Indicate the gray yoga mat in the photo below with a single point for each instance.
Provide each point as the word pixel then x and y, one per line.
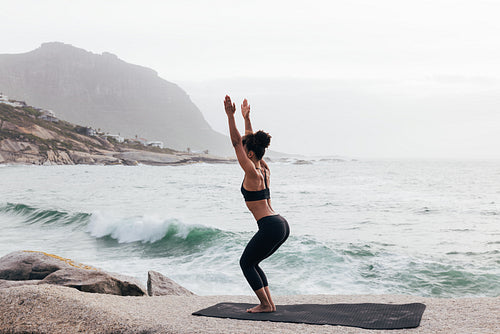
pixel 368 315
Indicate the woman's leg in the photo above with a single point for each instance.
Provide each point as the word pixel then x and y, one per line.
pixel 268 294
pixel 265 305
pixel 254 275
pixel 263 244
pixel 263 276
pixel 249 261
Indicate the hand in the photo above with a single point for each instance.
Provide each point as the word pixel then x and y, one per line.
pixel 230 107
pixel 245 109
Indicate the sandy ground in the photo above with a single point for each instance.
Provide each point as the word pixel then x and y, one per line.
pixel 55 309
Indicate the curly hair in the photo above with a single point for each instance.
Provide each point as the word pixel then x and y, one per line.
pixel 257 143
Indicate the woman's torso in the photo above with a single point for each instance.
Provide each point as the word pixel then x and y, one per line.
pixel 256 191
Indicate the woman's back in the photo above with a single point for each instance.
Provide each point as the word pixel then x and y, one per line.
pixel 255 190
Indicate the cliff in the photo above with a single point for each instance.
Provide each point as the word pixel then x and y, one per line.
pixel 103 91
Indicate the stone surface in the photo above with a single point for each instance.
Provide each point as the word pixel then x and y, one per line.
pixel 96 281
pixel 160 285
pixel 4 284
pixel 27 265
pixel 59 310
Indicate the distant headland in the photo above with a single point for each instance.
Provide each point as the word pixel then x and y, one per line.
pixel 103 91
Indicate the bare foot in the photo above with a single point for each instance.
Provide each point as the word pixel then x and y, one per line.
pixel 261 309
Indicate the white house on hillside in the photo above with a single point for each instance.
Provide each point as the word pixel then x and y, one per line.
pixel 155 144
pixel 118 138
pixel 48 115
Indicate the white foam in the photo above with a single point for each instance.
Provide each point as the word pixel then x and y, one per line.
pixel 132 229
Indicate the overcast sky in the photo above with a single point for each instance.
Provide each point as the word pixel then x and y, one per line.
pixel 385 78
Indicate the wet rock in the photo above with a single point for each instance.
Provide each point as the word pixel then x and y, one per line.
pixel 160 285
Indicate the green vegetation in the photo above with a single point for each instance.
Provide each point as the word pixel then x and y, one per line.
pixel 8 113
pixel 32 111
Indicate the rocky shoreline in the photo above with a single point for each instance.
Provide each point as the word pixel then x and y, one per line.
pixel 27 139
pixel 66 308
pixel 26 267
pixel 126 158
pixel 19 153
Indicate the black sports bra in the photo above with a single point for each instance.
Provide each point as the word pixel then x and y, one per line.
pixel 251 196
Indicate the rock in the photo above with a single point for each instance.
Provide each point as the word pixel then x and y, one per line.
pixel 160 285
pixel 24 267
pixel 302 162
pixel 130 162
pixel 29 265
pixel 81 157
pixel 106 160
pixel 95 281
pixel 59 157
pixel 4 284
pixel 149 158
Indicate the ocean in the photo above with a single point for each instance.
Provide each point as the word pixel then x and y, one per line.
pixel 426 228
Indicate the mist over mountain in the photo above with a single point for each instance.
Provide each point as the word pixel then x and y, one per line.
pixel 103 91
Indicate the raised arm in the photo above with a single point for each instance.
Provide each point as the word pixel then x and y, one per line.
pixel 243 160
pixel 245 111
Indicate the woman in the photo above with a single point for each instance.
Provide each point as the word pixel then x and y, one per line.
pixel 273 229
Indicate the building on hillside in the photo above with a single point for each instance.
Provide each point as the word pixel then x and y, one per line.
pixel 118 138
pixel 49 116
pixel 90 132
pixel 86 130
pixel 5 100
pixel 156 143
pixel 142 141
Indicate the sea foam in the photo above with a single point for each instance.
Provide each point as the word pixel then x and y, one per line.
pixel 147 228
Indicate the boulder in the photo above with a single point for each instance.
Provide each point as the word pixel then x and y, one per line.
pixel 160 285
pixel 81 157
pixel 96 281
pixel 4 284
pixel 29 265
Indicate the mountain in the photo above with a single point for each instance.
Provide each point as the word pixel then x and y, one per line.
pixel 107 93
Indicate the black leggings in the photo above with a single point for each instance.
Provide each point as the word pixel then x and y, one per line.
pixel 273 231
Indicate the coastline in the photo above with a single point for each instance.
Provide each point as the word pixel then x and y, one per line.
pixel 30 137
pixel 56 309
pixel 127 157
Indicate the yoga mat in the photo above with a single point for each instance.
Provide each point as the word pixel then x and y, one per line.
pixel 368 315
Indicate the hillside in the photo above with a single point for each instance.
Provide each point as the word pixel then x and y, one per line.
pixel 103 91
pixel 26 138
